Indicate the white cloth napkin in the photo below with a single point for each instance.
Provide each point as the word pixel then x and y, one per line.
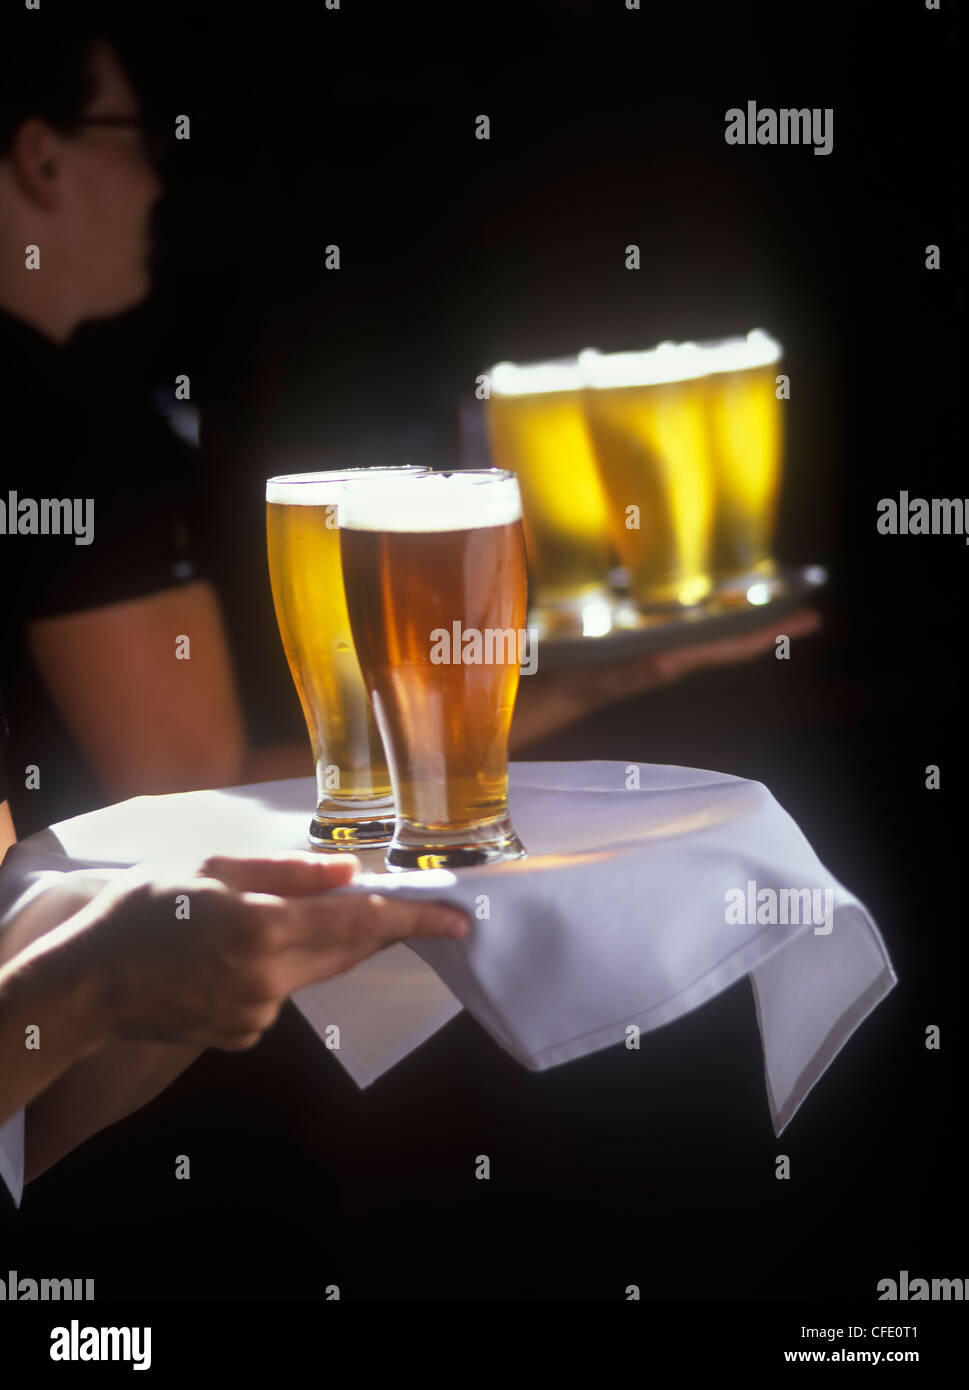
pixel 620 919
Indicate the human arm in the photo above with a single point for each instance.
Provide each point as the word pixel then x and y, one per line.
pixel 550 701
pixel 8 835
pixel 133 993
pixel 46 1024
pixel 148 719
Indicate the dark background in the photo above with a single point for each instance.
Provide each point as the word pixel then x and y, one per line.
pixel 357 127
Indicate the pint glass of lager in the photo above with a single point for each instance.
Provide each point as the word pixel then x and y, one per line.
pixel 434 567
pixel 355 806
pixel 648 418
pixel 539 432
pixel 746 443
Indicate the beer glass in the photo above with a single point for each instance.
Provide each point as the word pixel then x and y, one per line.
pixel 539 432
pixel 647 416
pixel 434 567
pixel 354 802
pixel 746 441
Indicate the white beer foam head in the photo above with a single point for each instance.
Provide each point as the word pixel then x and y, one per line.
pixel 758 349
pixel 432 502
pixel 671 362
pixel 323 489
pixel 658 367
pixel 535 378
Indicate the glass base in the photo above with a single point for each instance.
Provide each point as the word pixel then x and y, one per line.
pixel 346 835
pixel 666 600
pixel 414 848
pixel 750 590
pixel 664 612
pixel 634 617
pixel 585 615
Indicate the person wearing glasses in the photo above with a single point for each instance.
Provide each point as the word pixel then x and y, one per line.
pixel 122 994
pixel 100 705
pixel 102 708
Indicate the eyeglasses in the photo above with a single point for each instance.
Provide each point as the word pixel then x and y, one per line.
pixel 154 146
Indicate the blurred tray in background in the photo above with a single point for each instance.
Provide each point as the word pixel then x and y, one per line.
pixel 793 585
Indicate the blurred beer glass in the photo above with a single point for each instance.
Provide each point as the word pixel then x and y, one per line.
pixel 746 441
pixel 354 802
pixel 539 432
pixel 647 414
pixel 436 589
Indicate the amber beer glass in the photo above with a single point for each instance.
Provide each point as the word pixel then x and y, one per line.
pixel 746 441
pixel 648 418
pixel 434 567
pixel 539 432
pixel 354 800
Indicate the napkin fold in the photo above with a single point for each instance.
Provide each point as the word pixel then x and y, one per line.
pixel 648 889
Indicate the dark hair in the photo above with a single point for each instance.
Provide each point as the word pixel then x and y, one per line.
pixel 45 68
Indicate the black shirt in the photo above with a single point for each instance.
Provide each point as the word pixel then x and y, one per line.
pixel 122 484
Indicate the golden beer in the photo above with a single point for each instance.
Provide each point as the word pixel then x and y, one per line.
pixel 539 431
pixel 746 440
pixel 354 800
pixel 648 417
pixel 434 568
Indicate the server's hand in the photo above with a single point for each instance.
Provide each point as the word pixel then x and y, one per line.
pixel 209 960
pixel 550 702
